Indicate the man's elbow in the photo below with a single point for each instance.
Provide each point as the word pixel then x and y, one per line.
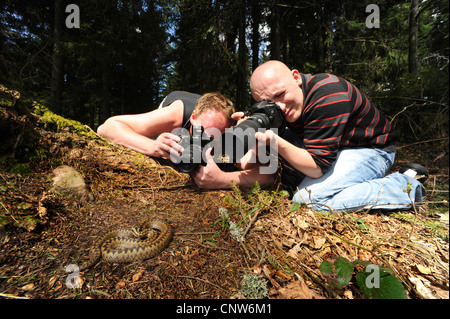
pixel 316 173
pixel 103 129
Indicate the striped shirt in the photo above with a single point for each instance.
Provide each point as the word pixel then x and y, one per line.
pixel 337 115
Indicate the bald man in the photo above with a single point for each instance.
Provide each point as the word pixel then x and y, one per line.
pixel 338 146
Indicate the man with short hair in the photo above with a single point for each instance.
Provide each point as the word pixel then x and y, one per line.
pixel 151 133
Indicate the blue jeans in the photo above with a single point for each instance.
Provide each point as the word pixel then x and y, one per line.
pixel 357 181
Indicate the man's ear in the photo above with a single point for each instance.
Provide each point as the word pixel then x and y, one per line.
pixel 192 117
pixel 297 77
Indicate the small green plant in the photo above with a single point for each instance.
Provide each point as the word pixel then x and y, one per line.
pixel 435 226
pixel 209 239
pixel 374 281
pixel 224 219
pixel 360 222
pixel 236 231
pixel 254 287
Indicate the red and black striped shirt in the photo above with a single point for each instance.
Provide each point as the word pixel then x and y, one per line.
pixel 337 115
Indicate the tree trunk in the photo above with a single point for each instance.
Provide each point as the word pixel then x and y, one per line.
pixel 275 50
pixel 256 19
pixel 323 47
pixel 413 36
pixel 57 62
pixel 242 61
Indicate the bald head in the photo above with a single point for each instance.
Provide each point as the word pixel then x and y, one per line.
pixel 274 81
pixel 268 70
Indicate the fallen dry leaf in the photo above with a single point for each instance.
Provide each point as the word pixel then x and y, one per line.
pixel 120 284
pixel 424 291
pixel 297 290
pixel 300 223
pixel 424 270
pixel 137 276
pixel 28 287
pixel 319 241
pixel 52 281
pixel 348 294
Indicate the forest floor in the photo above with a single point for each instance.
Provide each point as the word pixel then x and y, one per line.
pixel 281 242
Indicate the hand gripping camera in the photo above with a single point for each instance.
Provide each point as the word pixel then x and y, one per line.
pixel 237 141
pixel 195 147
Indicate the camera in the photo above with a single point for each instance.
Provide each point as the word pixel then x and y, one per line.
pixel 238 140
pixel 233 144
pixel 195 147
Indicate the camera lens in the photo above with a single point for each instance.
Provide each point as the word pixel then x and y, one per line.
pixel 186 167
pixel 237 141
pixel 190 158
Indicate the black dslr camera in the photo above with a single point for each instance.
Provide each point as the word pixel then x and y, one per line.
pixel 262 115
pixel 194 148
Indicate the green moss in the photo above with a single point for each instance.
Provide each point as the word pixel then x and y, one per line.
pixel 56 123
pixel 21 169
pixel 6 103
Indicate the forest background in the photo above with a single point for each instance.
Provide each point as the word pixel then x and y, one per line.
pixel 127 55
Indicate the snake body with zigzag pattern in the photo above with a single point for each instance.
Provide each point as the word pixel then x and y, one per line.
pixel 128 245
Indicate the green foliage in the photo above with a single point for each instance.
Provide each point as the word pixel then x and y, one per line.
pixel 389 286
pixel 22 169
pixel 338 271
pixel 374 281
pixel 436 227
pixel 56 123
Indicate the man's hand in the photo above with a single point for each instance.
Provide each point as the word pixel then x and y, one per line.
pixel 209 176
pixel 268 137
pixel 166 144
pixel 238 117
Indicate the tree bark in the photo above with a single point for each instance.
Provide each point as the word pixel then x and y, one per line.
pixel 256 19
pixel 413 36
pixel 275 49
pixel 105 111
pixel 56 82
pixel 242 60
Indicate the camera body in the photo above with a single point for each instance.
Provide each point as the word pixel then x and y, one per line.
pixel 266 113
pixel 237 141
pixel 194 146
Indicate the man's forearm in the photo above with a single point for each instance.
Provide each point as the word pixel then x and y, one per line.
pixel 247 178
pixel 120 133
pixel 299 158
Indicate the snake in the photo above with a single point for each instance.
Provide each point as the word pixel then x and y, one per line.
pixel 123 245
